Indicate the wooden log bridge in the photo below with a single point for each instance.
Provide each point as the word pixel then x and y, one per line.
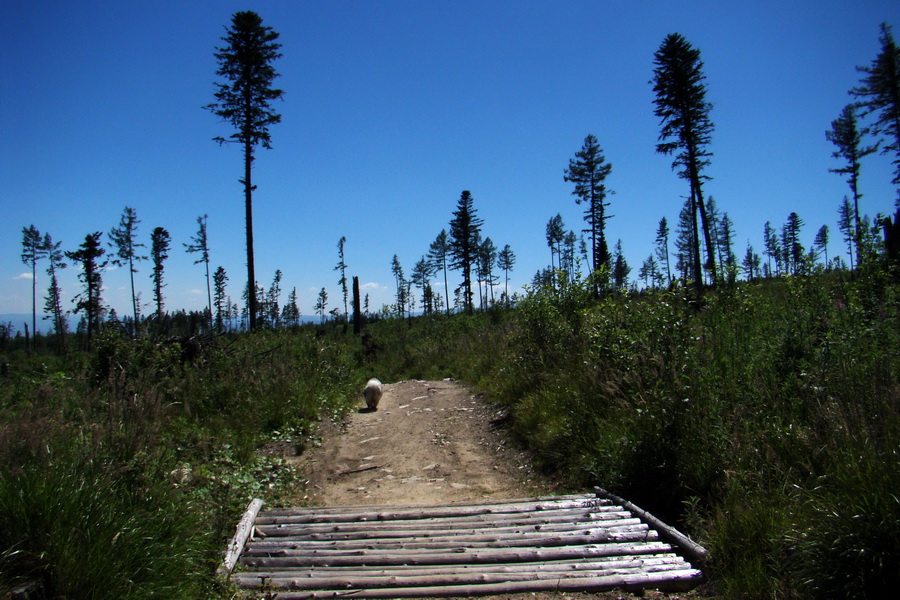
pixel 587 542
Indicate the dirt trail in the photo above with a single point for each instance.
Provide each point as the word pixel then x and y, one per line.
pixel 429 442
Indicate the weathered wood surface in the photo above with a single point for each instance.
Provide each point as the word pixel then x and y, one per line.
pixel 570 543
pixel 241 534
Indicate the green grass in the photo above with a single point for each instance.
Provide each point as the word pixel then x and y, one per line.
pixel 763 419
pixel 123 472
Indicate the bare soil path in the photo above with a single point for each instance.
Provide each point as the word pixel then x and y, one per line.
pixel 429 442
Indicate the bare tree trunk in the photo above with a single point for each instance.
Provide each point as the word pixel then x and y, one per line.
pixel 248 202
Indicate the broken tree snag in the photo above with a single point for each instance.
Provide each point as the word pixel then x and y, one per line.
pixel 692 549
pixel 241 534
pixel 357 315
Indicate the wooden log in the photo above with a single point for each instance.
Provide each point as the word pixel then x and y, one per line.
pixel 695 552
pixel 560 566
pixel 438 534
pixel 633 533
pixel 244 528
pixel 298 534
pixel 671 581
pixel 304 533
pixel 588 499
pixel 636 530
pixel 481 516
pixel 390 513
pixel 482 556
pixel 287 582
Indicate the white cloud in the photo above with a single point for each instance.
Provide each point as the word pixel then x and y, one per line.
pixel 370 286
pixel 195 292
pixel 23 276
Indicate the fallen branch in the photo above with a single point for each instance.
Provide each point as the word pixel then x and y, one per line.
pixel 240 539
pixel 360 470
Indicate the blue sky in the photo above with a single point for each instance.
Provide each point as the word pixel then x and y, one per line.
pixel 391 109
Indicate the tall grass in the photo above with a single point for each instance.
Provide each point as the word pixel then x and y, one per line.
pixel 86 534
pixel 764 418
pixel 123 472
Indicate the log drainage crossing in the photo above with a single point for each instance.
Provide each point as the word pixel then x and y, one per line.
pixel 565 543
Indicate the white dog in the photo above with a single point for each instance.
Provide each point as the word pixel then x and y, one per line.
pixel 372 393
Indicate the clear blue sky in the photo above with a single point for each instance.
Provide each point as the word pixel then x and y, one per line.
pixel 391 109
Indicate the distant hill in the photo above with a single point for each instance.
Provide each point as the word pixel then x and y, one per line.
pixel 19 320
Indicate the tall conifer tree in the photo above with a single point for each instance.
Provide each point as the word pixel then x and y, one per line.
pixel 220 278
pixel 662 247
pixel 879 92
pixel 124 240
pixel 465 229
pixel 506 260
pixel 159 252
pixel 90 256
pixel 53 299
pixel 588 171
pixel 33 250
pixel 847 138
pixel 686 129
pixel 437 254
pixel 342 268
pixel 245 99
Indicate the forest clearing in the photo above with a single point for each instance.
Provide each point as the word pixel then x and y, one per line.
pixel 762 422
pixel 752 404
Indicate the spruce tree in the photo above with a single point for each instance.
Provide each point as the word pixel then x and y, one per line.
pixel 90 256
pixel 685 243
pixel 290 315
pixel 400 282
pixel 879 93
pixel 847 137
pixel 200 244
pixel 847 225
pixel 620 268
pixel 465 230
pixel 33 250
pixel 342 268
pixel 124 240
pixel 772 246
pixel 506 260
pixel 420 276
pixel 321 304
pixel 53 299
pixel 220 279
pixel 159 252
pixel 487 260
pixel 437 254
pixel 556 232
pixel 686 130
pixel 820 243
pixel 725 236
pixel 244 99
pixel 792 249
pixel 662 247
pixel 588 171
